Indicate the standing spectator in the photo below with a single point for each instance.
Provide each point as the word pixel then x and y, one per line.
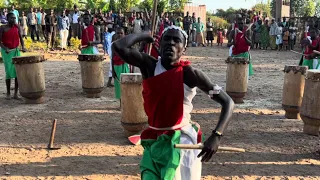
pixel 51 28
pixel 99 23
pixel 32 24
pixel 43 23
pixel 265 38
pixel 75 24
pixel 63 26
pixel 179 23
pixel 293 35
pixel 70 28
pixel 166 20
pixel 279 33
pixel 273 34
pixel 219 36
pixel 5 12
pixel 39 26
pixel 109 20
pixel 210 37
pixel 107 40
pixel 257 35
pixel 172 19
pixel 16 13
pixel 193 30
pixel 3 18
pixel 199 28
pixel 23 22
pixel 121 18
pixel 137 24
pixel 187 25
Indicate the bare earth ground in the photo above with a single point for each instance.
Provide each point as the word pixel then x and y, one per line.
pixel 94 146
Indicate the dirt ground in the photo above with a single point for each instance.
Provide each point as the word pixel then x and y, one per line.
pixel 93 145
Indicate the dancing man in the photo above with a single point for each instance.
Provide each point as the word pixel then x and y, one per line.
pixel 10 38
pixel 90 36
pixel 241 41
pixel 169 86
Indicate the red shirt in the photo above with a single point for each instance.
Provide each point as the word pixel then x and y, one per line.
pixel 241 45
pixel 87 35
pixel 310 50
pixel 11 39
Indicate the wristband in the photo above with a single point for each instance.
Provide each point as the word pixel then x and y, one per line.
pixel 217 133
pixel 216 90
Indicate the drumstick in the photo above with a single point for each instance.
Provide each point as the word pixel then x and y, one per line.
pixel 198 146
pixel 153 24
pixel 299 53
pixel 316 52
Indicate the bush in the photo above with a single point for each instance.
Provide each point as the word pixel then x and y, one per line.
pixel 75 43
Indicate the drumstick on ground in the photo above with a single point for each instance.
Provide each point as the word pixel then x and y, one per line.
pixel 196 146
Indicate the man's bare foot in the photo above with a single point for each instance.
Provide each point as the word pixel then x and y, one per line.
pixel 8 97
pixel 16 97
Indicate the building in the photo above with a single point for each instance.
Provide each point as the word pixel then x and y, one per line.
pixel 282 9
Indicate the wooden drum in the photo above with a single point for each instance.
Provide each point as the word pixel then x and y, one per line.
pixel 293 88
pixel 31 80
pixel 310 107
pixel 92 74
pixel 237 78
pixel 133 116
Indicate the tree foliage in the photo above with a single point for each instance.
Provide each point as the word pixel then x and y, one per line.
pixel 218 22
pixel 263 8
pixel 177 5
pixel 303 7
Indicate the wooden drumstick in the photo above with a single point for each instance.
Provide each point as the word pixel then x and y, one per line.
pixel 198 146
pixel 316 52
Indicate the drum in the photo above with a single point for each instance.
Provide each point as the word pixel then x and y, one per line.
pixel 92 74
pixel 293 88
pixel 31 79
pixel 237 78
pixel 310 107
pixel 133 116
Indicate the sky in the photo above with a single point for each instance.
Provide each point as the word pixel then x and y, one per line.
pixel 225 4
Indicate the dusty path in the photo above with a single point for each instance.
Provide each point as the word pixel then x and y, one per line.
pixel 94 146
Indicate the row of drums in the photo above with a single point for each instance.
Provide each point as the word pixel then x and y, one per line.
pixel 31 79
pixel 301 91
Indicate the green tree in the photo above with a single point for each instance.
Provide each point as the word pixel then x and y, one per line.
pixel 162 6
pixel 309 8
pixel 112 5
pixel 146 4
pixel 263 8
pixel 127 4
pixel 178 5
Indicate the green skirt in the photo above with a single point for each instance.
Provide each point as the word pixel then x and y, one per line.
pixel 311 63
pixel 124 68
pixel 248 56
pixel 90 50
pixel 7 61
pixel 273 44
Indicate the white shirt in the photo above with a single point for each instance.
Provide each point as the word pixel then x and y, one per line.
pixel 75 18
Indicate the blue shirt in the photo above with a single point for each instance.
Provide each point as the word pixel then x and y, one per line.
pixel 107 38
pixel 16 13
pixel 63 23
pixel 39 15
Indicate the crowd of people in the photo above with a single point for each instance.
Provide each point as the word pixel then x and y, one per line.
pixel 44 26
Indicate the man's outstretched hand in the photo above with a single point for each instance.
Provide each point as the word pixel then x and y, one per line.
pixel 210 147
